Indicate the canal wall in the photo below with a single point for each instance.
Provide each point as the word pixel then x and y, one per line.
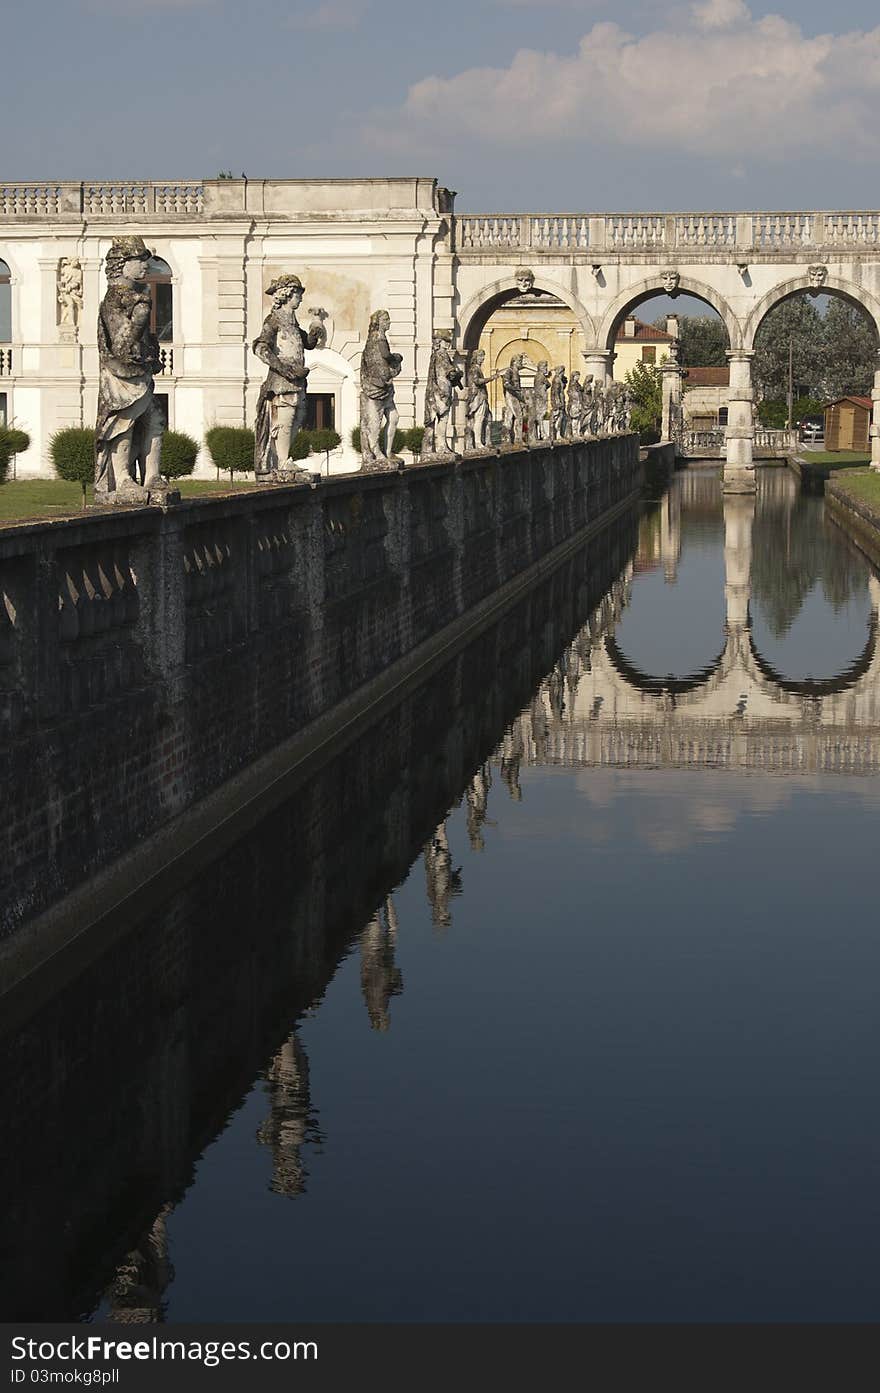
pixel 856 516
pixel 147 658
pixel 123 1058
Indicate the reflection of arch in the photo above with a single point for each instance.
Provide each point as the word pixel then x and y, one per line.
pixel 5 303
pixel 655 686
pixel 634 294
pixel 821 686
pixel 854 294
pixel 480 308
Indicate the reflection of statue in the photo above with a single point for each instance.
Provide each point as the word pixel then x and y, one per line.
pixel 136 1296
pixel 442 881
pixel 477 797
pixel 477 415
pixel 281 406
pixel 380 978
pixel 537 400
pixel 128 432
pixel 557 404
pixel 379 367
pixel 288 1125
pixel 70 290
pixel 443 378
pixel 575 403
pixel 514 400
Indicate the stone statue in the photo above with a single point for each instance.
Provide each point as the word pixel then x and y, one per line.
pixel 575 403
pixel 629 402
pixel 70 291
pixel 818 275
pixel 477 414
pixel 443 378
pixel 586 405
pixel 317 327
pixel 524 280
pixel 379 367
pixel 128 431
pixel 557 404
pixel 536 400
pixel 514 400
pixel 281 406
pixel 670 280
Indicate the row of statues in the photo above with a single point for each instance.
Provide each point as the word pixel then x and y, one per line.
pixel 128 436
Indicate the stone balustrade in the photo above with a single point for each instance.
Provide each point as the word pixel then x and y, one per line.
pixel 6 361
pixel 147 656
pixel 764 233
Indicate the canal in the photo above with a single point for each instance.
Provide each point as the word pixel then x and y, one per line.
pixel 554 998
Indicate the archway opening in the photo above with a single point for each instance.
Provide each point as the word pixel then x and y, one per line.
pixel 158 279
pixel 813 369
pixel 654 328
pixel 525 320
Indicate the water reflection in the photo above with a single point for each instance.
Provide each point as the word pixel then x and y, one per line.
pixel 622 1037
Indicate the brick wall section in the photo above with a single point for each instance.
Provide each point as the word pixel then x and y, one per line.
pixel 146 657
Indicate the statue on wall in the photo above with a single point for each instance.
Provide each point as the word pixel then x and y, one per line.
pixel 128 431
pixel 70 291
pixel 586 405
pixel 575 403
pixel 818 275
pixel 443 378
pixel 670 280
pixel 537 400
pixel 281 406
pixel 557 404
pixel 514 400
pixel 477 414
pixel 379 367
pixel 318 327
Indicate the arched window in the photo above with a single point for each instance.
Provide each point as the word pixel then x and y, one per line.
pixel 5 304
pixel 158 278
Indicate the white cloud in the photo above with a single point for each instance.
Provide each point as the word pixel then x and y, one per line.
pixel 732 87
pixel 329 15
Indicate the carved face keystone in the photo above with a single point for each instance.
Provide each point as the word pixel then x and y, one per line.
pixel 524 281
pixel 670 281
pixel 818 276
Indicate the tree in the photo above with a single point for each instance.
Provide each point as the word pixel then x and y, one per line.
pixel 850 341
pixel 73 455
pixel 232 448
pixel 179 454
pixel 796 320
pixel 645 382
pixel 702 340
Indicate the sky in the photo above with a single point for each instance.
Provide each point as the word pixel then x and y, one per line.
pixel 519 105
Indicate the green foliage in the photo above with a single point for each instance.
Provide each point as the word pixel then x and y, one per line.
pixel 73 454
pixel 645 382
pixel 774 414
pixel 324 440
pixel 356 438
pixel 179 454
pixel 414 438
pixel 402 439
pixel 850 350
pixel 702 340
pixel 5 455
pixel 18 440
pixel 231 448
pixel 832 355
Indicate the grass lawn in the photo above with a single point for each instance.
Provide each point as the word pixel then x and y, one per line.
pixel 54 498
pixel 836 459
pixel 865 486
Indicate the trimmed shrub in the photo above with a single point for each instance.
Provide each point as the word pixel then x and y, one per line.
pixel 400 438
pixel 5 456
pixel 73 454
pixel 19 440
pixel 231 448
pixel 413 439
pixel 302 446
pixel 356 439
pixel 179 454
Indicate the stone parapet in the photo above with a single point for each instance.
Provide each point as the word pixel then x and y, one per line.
pixel 146 656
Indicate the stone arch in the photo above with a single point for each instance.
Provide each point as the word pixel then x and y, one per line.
pixel 833 285
pixel 652 285
pixel 481 306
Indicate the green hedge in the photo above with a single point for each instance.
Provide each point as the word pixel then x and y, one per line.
pixel 73 454
pixel 231 448
pixel 179 454
pixel 410 439
pixel 5 456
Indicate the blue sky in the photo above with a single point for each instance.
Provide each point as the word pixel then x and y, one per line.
pixel 563 105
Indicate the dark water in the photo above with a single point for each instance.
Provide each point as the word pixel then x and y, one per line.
pixel 554 999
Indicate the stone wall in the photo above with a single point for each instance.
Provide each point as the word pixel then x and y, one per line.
pixel 147 657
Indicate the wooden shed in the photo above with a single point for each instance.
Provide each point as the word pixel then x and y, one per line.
pixel 847 422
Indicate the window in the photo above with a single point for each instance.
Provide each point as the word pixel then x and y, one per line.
pixel 320 411
pixel 5 304
pixel 158 278
pixel 3 409
pixel 649 355
pixel 722 415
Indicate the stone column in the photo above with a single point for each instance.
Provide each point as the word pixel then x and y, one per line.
pixel 739 515
pixel 875 421
pixel 599 362
pixel 739 469
pixel 671 398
